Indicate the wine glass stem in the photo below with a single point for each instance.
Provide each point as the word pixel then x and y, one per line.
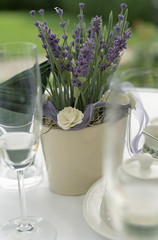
pixel 24 224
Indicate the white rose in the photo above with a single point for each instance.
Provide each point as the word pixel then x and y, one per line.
pixel 69 117
pixel 121 98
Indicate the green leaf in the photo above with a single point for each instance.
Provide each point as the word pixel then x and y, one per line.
pixel 66 76
pixel 81 79
pixel 110 24
pixel 104 59
pixel 106 73
pixel 66 62
pixel 84 86
pixel 124 21
pixel 45 74
pixel 76 92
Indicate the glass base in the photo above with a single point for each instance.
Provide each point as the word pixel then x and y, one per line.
pixel 40 230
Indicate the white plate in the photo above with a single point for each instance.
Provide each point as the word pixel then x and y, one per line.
pixel 91 211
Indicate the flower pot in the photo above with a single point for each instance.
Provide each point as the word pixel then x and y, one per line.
pixel 74 158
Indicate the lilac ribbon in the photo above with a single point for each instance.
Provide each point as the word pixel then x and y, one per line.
pixel 140 114
pixel 50 111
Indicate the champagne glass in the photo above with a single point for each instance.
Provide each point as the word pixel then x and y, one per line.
pixel 132 184
pixel 20 129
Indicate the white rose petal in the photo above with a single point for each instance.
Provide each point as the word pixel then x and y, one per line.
pixel 69 117
pixel 121 98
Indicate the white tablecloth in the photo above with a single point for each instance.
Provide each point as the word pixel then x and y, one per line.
pixel 64 212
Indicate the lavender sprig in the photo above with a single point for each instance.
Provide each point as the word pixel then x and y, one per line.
pixel 60 11
pixel 78 33
pixel 82 68
pixel 94 27
pixel 82 63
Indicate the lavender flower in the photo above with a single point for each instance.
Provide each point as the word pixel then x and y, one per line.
pixel 118 45
pixel 127 34
pixel 62 24
pixel 59 11
pixel 76 37
pixel 41 11
pixel 53 40
pixel 94 27
pixel 37 23
pixel 81 5
pixel 120 17
pixel 123 6
pixel 78 33
pixel 117 28
pixel 82 63
pixel 80 17
pixel 32 13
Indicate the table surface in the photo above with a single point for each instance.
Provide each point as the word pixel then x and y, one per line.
pixel 64 212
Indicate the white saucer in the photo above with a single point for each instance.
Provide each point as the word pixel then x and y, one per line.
pixel 91 210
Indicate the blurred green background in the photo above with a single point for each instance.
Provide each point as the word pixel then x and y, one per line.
pixel 16 24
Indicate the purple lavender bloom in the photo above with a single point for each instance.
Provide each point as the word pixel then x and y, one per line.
pixel 53 40
pixel 94 27
pixel 59 11
pixel 69 57
pixel 41 11
pixel 62 67
pixel 62 24
pixel 37 23
pixel 82 63
pixel 123 6
pixel 65 36
pixel 76 36
pixel 114 66
pixel 79 84
pixel 120 17
pixel 80 16
pixel 72 43
pixel 44 46
pixel 118 45
pixel 94 30
pixel 117 28
pixel 103 66
pixel 67 47
pixel 32 13
pixel 127 34
pixel 65 54
pixel 81 5
pixel 78 33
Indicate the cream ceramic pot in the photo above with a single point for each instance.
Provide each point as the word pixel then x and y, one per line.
pixel 74 159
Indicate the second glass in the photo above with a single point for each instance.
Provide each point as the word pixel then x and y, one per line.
pixel 131 195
